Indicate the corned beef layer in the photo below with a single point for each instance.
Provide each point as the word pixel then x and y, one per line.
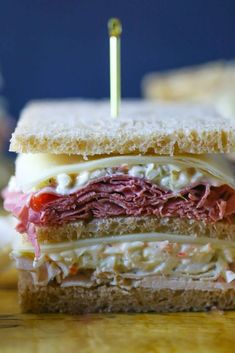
pixel 117 195
pixel 120 195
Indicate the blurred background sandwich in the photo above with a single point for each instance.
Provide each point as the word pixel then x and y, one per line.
pixel 8 235
pixel 213 83
pixel 8 274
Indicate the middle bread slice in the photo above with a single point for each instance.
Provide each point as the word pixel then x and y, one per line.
pixel 101 227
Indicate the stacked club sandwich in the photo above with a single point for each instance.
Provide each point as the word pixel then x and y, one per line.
pixel 134 213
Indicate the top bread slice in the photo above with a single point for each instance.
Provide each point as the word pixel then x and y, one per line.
pixel 85 127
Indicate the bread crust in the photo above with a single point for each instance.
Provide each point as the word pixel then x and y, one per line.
pixel 85 128
pixel 127 225
pixel 105 298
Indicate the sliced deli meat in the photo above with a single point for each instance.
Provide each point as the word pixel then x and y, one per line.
pixel 119 195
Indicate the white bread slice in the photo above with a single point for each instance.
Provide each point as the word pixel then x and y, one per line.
pixel 155 295
pixel 128 225
pixel 86 128
pixel 212 82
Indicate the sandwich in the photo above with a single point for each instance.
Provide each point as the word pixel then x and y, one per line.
pixel 134 213
pixel 8 273
pixel 212 82
pixel 5 164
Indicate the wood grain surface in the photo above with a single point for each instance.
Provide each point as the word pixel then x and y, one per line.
pixel 139 333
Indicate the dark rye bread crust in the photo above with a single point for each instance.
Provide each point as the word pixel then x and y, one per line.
pixel 127 225
pixel 105 298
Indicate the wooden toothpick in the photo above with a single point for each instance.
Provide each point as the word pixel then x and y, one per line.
pixel 115 30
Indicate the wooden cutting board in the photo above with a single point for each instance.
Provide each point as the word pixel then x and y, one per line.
pixel 132 333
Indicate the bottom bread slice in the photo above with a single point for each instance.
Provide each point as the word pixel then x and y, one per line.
pixel 165 296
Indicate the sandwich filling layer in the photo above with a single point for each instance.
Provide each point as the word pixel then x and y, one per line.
pixel 202 189
pixel 126 260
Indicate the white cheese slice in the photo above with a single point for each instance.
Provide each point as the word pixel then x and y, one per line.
pixel 22 247
pixel 33 169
